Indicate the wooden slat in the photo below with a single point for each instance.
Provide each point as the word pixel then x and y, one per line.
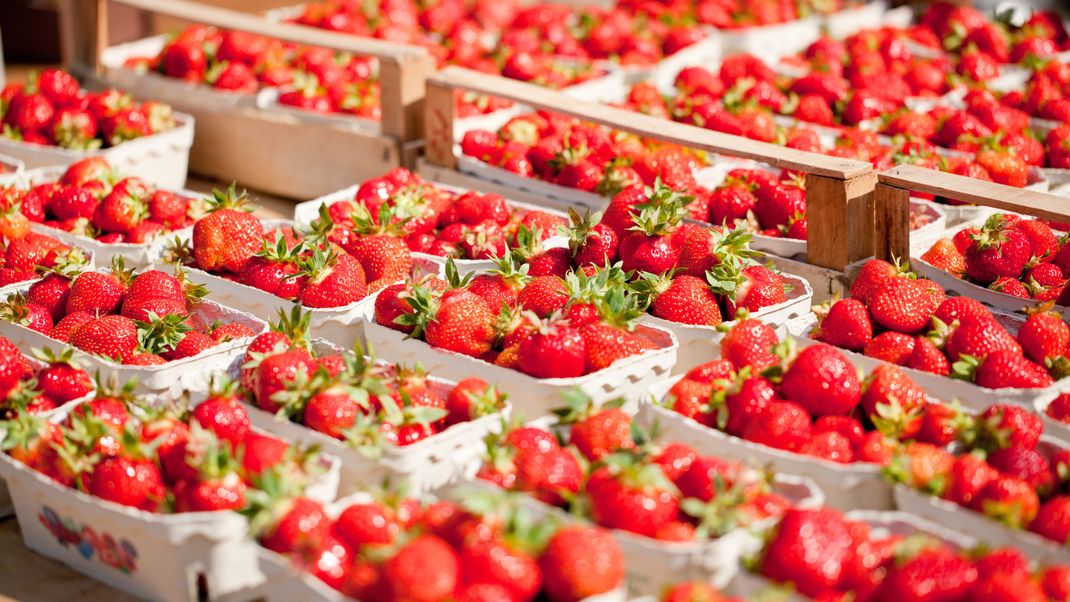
pixel 83 31
pixel 402 84
pixel 891 220
pixel 645 125
pixel 839 219
pixel 298 34
pixel 440 110
pixel 978 192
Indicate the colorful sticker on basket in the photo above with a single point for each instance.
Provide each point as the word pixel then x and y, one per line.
pixel 121 555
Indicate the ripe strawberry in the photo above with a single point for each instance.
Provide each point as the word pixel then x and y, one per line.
pixel 426 569
pixel 683 299
pixel 997 251
pixel 893 401
pixel 968 476
pixel 750 343
pixel 903 305
pixel 788 556
pixel 1006 369
pixel 301 527
pixel 823 381
pixel 333 279
pixel 223 414
pixel 224 239
pixel 1044 335
pixel 1008 500
pixel 935 571
pixel 544 295
pixel 111 336
pixel 1053 519
pixel 129 482
pixel 98 293
pixel 581 562
pixel 783 425
pixel 846 324
pixel 892 347
pixel 1026 464
pixel 462 324
pixel 632 496
pixel 873 274
pixel 556 350
pixel 944 256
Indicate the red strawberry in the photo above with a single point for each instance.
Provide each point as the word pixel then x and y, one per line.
pixel 789 559
pixel 823 381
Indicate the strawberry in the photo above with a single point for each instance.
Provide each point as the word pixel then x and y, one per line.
pixel 111 336
pixel 1044 335
pixel 783 425
pixel 60 380
pixel 631 496
pixel 1053 520
pixel 1004 369
pixel 997 251
pixel 922 466
pixel 334 279
pixel 224 239
pixel 934 573
pixel 406 576
pixel 684 299
pixel 223 415
pixel 846 324
pixel 555 350
pixel 893 401
pixel 788 557
pixel 98 293
pixel 903 305
pixel 750 343
pixel 463 323
pixel 968 476
pixel 822 380
pixel 543 295
pixel 1026 464
pixel 300 525
pixel 872 275
pixel 128 481
pixel 944 256
pixel 580 562
pixel 892 347
pixel 1008 500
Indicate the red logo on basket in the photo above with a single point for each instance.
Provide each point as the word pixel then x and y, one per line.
pixel 120 554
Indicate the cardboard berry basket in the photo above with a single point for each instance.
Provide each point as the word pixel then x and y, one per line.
pixel 846 486
pixel 770 42
pixel 274 151
pixel 307 212
pixel 429 464
pixel 839 212
pixel 532 397
pixel 135 255
pixel 10 165
pixel 160 159
pixel 654 565
pixel 971 396
pixel 698 343
pixel 174 376
pixel 985 529
pixel 893 190
pixel 53 415
pixel 174 557
pixel 752 585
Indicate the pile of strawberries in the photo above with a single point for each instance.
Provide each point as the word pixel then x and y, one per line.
pixel 898 318
pixel 552 44
pixel 91 200
pixel 27 254
pixel 34 392
pixel 143 319
pixel 1013 255
pixel 231 242
pixel 353 397
pixel 1001 469
pixel 662 490
pixel 170 459
pixel 52 109
pixel 856 560
pixel 486 547
pixel 543 326
pixel 580 155
pixel 314 79
pixel 811 400
pixel 433 220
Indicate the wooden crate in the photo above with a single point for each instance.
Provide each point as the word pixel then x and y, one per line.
pixel 275 152
pixel 892 195
pixel 838 191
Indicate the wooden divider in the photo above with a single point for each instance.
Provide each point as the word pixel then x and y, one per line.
pixel 838 191
pixel 892 196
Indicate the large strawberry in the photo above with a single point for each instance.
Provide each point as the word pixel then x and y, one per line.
pixel 823 381
pixel 228 236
